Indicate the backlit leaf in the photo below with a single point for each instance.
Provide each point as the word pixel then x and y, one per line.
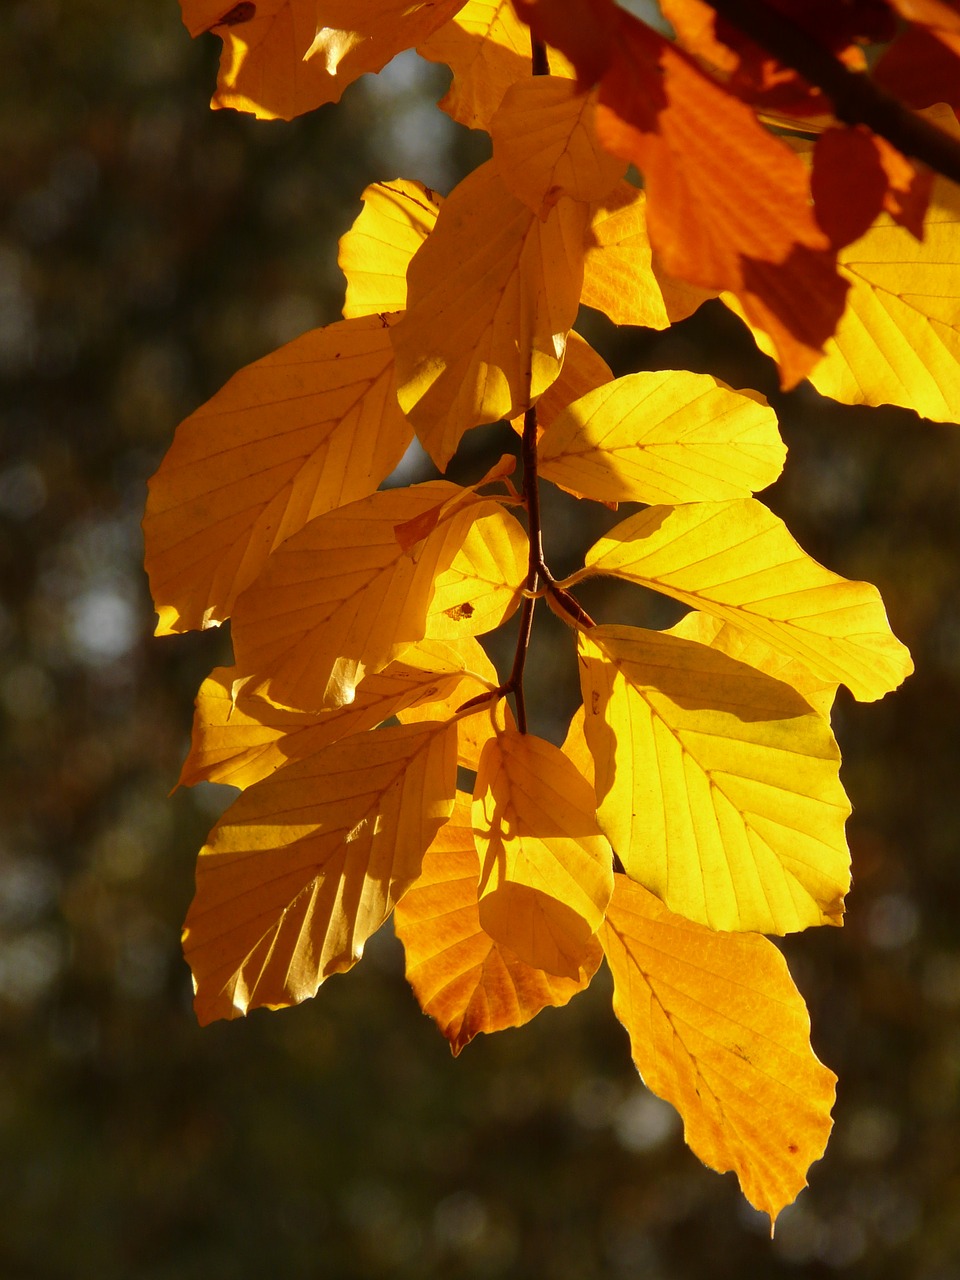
pixel 621 277
pixel 374 254
pixel 481 588
pixel 728 205
pixel 546 872
pixel 306 429
pixel 488 49
pixel 460 976
pixel 737 561
pixel 294 55
pixel 241 736
pixel 716 784
pixel 475 728
pixel 344 596
pixel 664 437
pixel 460 358
pixel 308 863
pixel 545 144
pixel 719 1030
pixel 749 648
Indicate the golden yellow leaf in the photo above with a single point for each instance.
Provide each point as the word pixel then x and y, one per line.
pixel 717 785
pixel 481 588
pixel 241 736
pixel 546 872
pixel 545 145
pixel 488 49
pixel 474 728
pixel 306 429
pixel 575 746
pixel 664 437
pixel 583 370
pixel 309 862
pixel 737 561
pixel 748 648
pixel 345 595
pixel 460 976
pixel 718 1029
pixel 374 254
pixel 898 341
pixel 491 296
pixel 282 62
pixel 621 277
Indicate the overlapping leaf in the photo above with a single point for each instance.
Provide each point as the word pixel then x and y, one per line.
pixel 374 254
pixel 461 977
pixel 545 144
pixel 281 58
pixel 718 1029
pixel 621 277
pixel 737 561
pixel 491 296
pixel 728 205
pixel 309 862
pixel 345 595
pixel 241 736
pixel 308 428
pixel 663 437
pixel 717 785
pixel 546 870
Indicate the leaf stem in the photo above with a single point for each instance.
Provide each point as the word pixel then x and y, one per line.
pixel 538 54
pixel 855 97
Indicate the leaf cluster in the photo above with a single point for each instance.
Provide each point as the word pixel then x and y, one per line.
pixel 695 804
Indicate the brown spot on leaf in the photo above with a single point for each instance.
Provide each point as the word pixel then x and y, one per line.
pixel 460 611
pixel 238 14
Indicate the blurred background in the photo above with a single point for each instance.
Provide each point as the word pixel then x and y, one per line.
pixel 148 248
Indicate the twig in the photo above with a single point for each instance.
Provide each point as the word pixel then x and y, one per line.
pixel 855 97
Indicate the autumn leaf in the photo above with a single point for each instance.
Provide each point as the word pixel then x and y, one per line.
pixel 584 30
pixel 308 428
pixel 374 254
pixel 716 784
pixel 460 976
pixel 487 48
pixel 281 62
pixel 620 275
pixel 344 596
pixel 737 561
pixel 663 437
pixel 749 648
pixel 719 1030
pixel 728 205
pixel 309 862
pixel 546 870
pixel 488 260
pixel 545 145
pixel 240 735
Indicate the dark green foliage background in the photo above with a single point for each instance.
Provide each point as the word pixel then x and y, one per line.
pixel 148 248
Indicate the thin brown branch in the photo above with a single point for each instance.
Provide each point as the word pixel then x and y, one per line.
pixel 538 53
pixel 855 97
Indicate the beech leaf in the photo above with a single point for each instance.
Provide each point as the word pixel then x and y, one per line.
pixel 308 428
pixel 737 561
pixel 309 862
pixel 546 870
pixel 374 254
pixel 716 785
pixel 719 1030
pixel 462 978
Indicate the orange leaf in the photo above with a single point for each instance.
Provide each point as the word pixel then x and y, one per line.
pixel 728 206
pixel 461 358
pixel 302 431
pixel 719 1030
pixel 460 976
pixel 855 175
pixel 279 61
pixel 583 30
pixel 308 863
